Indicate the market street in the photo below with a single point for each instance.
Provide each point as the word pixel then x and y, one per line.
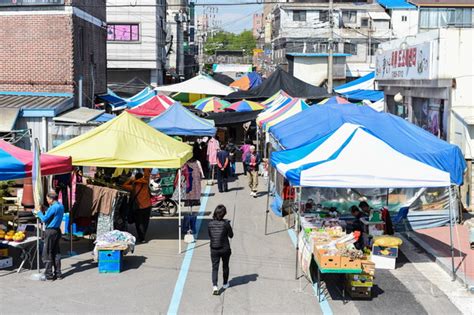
pixel 261 272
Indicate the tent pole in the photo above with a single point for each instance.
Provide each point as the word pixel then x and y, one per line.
pixel 451 233
pixel 268 204
pixel 297 226
pixel 179 211
pixel 388 194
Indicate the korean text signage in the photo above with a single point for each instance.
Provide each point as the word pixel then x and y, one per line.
pixel 12 3
pixel 405 64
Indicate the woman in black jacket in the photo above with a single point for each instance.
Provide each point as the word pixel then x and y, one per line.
pixel 219 233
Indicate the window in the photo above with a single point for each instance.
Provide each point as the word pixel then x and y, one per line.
pixel 404 18
pixel 349 16
pixel 350 48
pixel 364 22
pixel 323 16
pixel 123 32
pixel 373 49
pixel 299 15
pixel 443 17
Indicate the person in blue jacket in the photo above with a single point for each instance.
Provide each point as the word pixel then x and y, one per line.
pixel 52 235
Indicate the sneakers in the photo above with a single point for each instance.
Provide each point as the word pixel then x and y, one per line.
pixel 225 286
pixel 215 290
pixel 253 194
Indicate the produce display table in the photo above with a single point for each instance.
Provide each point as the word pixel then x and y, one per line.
pixel 28 250
pixel 333 271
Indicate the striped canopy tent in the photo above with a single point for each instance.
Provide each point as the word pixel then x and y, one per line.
pixel 152 107
pixel 17 163
pixel 245 106
pixel 276 98
pixel 294 107
pixel 211 104
pixel 334 100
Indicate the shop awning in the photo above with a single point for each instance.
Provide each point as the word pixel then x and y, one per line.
pixel 319 121
pixel 37 104
pixel 81 115
pixel 16 163
pixel 8 119
pixel 379 15
pixel 352 157
pixel 125 142
pixel 200 84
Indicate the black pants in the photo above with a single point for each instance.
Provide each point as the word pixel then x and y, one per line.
pixel 216 256
pixel 142 219
pixel 51 253
pixel 222 180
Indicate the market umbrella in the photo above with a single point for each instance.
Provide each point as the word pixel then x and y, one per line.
pixel 245 106
pixel 211 104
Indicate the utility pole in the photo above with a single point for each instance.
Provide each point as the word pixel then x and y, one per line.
pixel 331 48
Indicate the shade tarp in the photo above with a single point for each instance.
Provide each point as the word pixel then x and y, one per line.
pixel 363 83
pixel 247 82
pixel 232 118
pixel 222 78
pixel 200 84
pixel 125 142
pixel 281 80
pixel 291 109
pixel 319 121
pixel 179 121
pixel 352 157
pixel 152 107
pixel 16 163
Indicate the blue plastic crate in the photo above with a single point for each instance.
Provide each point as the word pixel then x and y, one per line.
pixel 110 261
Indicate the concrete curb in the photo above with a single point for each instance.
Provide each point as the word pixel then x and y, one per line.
pixel 444 263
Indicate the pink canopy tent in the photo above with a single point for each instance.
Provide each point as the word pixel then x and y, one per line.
pixel 16 163
pixel 153 107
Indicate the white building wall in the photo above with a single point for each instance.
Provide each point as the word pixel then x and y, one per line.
pixel 133 55
pixel 404 28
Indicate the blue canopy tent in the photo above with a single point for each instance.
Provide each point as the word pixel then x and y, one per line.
pixel 360 95
pixel 119 103
pixel 319 121
pixel 363 83
pixel 179 121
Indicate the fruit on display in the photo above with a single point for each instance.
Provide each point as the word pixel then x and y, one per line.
pixel 2 234
pixel 19 237
pixel 9 236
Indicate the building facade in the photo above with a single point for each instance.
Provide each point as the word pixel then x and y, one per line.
pixel 52 57
pixel 257 25
pixel 181 48
pixel 136 47
pixel 302 27
pixel 428 79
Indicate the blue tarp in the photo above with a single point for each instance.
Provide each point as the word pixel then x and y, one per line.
pixel 360 95
pixel 104 117
pixel 179 121
pixel 396 4
pixel 321 120
pixel 255 79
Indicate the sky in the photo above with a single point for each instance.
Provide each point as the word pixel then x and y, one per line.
pixel 232 18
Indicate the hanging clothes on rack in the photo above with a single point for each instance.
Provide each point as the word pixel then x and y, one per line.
pixel 193 195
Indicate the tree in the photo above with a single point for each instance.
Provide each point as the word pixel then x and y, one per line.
pixel 230 41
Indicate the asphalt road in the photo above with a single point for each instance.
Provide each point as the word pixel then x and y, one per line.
pixel 157 280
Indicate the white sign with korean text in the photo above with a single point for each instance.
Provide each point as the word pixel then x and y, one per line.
pixel 413 63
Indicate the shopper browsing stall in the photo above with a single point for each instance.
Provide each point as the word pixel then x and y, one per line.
pixel 253 161
pixel 140 202
pixel 52 235
pixel 222 169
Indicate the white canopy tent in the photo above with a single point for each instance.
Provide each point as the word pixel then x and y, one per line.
pixel 200 84
pixel 352 157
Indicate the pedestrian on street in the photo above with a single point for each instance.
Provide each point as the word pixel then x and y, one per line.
pixel 140 202
pixel 232 149
pixel 253 161
pixel 52 235
pixel 222 169
pixel 220 231
pixel 245 149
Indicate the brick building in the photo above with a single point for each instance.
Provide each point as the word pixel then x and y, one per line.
pixel 47 48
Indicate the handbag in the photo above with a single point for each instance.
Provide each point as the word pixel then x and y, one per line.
pixel 189 237
pixel 133 205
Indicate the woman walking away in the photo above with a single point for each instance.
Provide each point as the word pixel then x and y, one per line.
pixel 219 233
